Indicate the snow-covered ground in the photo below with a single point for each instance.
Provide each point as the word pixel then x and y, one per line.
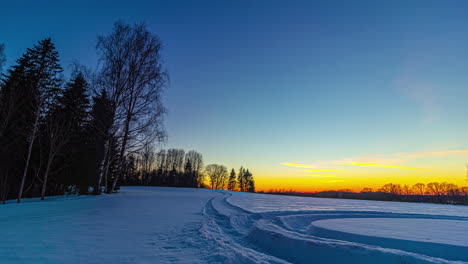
pixel 171 225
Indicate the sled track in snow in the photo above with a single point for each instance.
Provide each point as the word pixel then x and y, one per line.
pixel 292 237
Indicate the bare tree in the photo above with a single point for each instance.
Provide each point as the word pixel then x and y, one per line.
pixel 132 73
pixel 366 190
pixel 391 188
pixel 419 188
pixel 218 176
pixel 56 128
pixel 147 159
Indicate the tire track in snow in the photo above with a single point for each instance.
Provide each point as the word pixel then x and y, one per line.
pixel 274 237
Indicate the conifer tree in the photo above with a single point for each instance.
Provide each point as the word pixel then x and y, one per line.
pixel 40 69
pixel 250 183
pixel 73 106
pixel 241 179
pixel 232 184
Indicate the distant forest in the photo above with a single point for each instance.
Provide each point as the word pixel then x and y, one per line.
pixel 97 129
pixel 434 192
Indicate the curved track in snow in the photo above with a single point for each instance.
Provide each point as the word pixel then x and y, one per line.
pixel 307 237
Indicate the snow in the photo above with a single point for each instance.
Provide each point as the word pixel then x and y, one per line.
pixel 451 232
pixel 138 225
pixel 179 225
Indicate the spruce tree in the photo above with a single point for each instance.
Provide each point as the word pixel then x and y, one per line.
pixel 241 179
pixel 28 94
pixel 232 184
pixel 74 106
pixel 249 180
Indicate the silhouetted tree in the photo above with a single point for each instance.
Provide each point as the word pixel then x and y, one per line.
pixel 418 188
pixel 78 151
pixel 132 74
pixel 250 182
pixel 232 184
pixel 218 176
pixel 100 132
pixel 241 179
pixel 56 129
pixel 196 161
pixel 40 69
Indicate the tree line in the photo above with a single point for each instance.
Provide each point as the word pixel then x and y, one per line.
pixel 433 192
pixel 95 130
pixel 177 168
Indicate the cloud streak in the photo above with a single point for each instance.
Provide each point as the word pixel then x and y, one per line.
pixel 325 170
pixel 321 175
pixel 381 165
pixel 297 165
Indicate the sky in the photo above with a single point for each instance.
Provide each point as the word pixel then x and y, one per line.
pixel 309 95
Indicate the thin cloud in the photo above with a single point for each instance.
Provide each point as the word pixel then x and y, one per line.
pixel 325 170
pixel 381 165
pixel 297 165
pixel 321 175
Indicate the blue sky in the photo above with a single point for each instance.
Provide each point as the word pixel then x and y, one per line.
pixel 257 83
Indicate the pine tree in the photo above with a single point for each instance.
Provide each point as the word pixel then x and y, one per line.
pixel 74 106
pixel 30 90
pixel 250 183
pixel 16 116
pixel 189 174
pixel 232 181
pixel 241 179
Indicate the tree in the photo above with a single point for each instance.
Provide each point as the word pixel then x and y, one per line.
pixel 250 182
pixel 188 174
pixel 394 189
pixel 196 161
pixel 102 119
pixel 74 108
pixel 366 190
pixel 218 176
pixel 232 184
pixel 56 134
pixel 147 160
pixel 241 179
pixel 42 69
pixel 419 188
pixel 132 74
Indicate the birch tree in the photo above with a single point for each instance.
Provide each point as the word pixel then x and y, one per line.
pixel 132 73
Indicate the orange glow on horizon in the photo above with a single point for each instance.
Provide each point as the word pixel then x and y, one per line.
pixel 366 171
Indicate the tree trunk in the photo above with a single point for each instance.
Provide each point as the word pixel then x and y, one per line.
pixel 122 154
pixel 46 174
pixel 97 187
pixel 4 188
pixel 33 137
